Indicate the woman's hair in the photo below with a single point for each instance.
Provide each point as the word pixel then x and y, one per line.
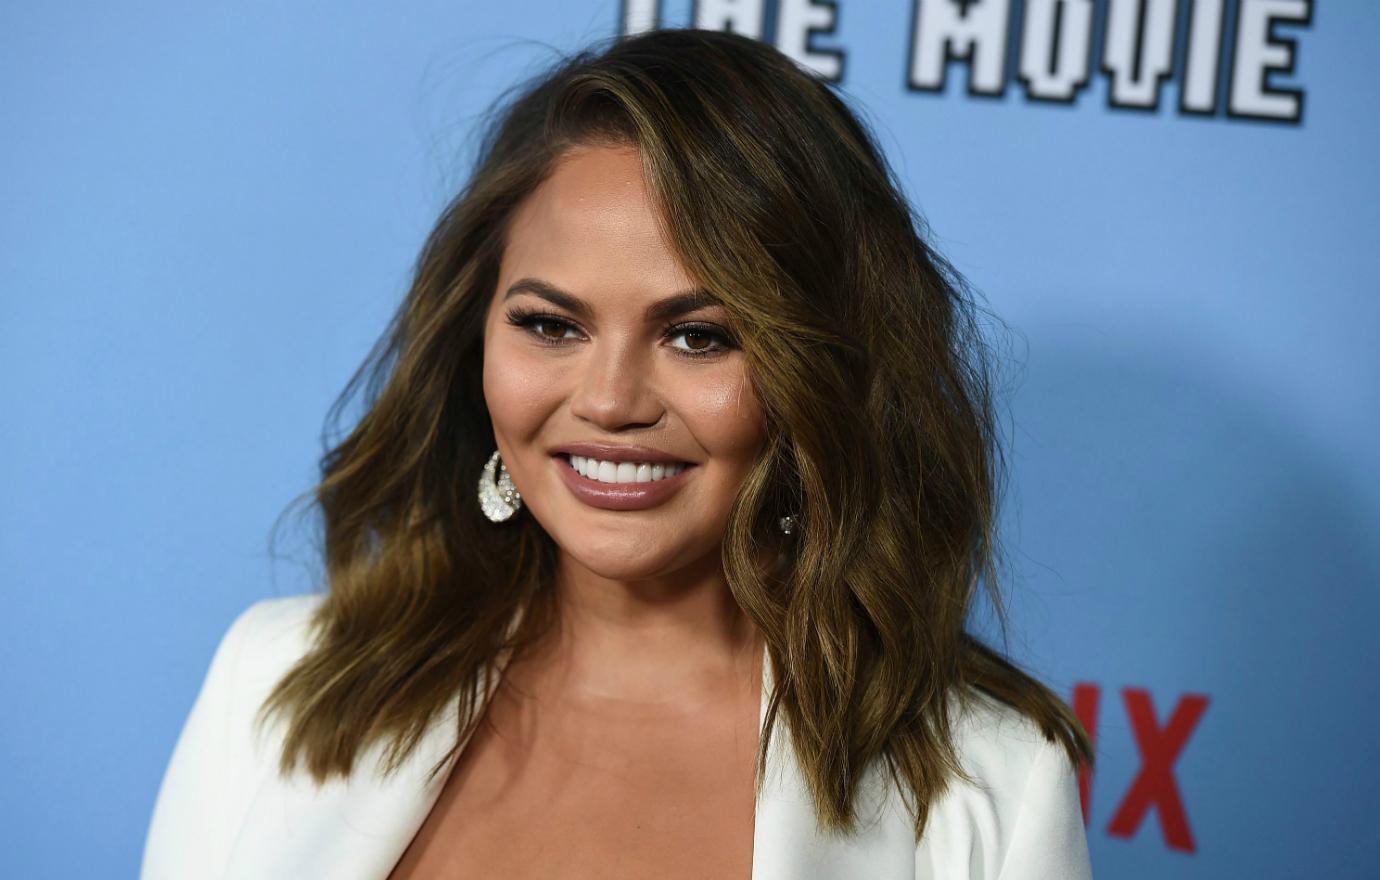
pixel 863 345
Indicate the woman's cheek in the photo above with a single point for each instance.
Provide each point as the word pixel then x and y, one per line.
pixel 519 385
pixel 727 414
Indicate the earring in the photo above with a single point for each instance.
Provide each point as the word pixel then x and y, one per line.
pixel 787 524
pixel 499 500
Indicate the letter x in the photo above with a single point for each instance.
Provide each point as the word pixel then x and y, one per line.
pixel 1159 749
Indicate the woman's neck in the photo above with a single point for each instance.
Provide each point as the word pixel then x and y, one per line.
pixel 650 641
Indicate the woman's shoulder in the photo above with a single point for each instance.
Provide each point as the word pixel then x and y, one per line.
pixel 1019 812
pixel 258 648
pixel 998 743
pixel 270 635
pixel 276 619
pixel 216 764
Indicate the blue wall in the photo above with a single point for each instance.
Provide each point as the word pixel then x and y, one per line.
pixel 207 214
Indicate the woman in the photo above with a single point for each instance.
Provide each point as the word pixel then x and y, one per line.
pixel 703 615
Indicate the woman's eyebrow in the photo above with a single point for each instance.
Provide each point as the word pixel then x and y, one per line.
pixel 673 306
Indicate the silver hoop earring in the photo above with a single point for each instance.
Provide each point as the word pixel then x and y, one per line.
pixel 498 497
pixel 787 524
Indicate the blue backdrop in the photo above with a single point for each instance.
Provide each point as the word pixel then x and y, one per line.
pixel 208 212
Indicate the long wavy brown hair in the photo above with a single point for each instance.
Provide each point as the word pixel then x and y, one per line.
pixel 865 348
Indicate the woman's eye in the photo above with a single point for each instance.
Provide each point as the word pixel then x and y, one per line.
pixel 549 329
pixel 701 341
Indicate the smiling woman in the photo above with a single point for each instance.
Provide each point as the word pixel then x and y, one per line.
pixel 704 616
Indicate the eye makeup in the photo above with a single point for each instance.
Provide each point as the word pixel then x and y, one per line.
pixel 531 320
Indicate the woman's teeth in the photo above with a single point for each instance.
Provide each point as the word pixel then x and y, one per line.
pixel 623 471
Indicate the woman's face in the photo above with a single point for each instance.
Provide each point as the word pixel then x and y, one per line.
pixel 575 352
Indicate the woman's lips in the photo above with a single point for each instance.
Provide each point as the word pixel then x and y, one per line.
pixel 620 496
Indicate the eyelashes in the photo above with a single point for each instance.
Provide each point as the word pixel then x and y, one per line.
pixel 529 320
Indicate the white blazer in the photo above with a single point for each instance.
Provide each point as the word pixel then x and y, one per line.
pixel 223 812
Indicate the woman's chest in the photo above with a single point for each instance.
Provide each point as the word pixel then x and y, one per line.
pixel 600 791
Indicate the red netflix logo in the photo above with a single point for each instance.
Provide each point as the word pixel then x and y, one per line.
pixel 1159 747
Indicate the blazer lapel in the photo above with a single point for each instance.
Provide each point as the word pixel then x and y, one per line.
pixel 356 829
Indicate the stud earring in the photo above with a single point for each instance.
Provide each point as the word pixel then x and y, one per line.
pixel 498 498
pixel 787 524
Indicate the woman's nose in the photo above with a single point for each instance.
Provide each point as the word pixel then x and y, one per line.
pixel 613 386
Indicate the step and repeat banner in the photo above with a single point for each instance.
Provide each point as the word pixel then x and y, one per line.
pixel 209 212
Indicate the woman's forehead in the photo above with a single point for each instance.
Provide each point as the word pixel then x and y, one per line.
pixel 592 230
pixel 594 190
